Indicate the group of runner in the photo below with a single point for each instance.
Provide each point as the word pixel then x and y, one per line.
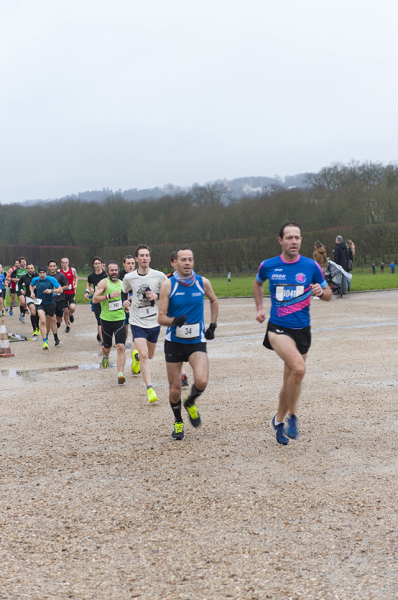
pixel 48 295
pixel 146 299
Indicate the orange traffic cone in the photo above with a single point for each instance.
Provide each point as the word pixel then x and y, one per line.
pixel 5 348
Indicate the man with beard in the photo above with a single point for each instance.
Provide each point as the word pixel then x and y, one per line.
pixel 109 294
pixel 25 300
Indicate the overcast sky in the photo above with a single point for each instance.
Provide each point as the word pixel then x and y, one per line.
pixel 132 94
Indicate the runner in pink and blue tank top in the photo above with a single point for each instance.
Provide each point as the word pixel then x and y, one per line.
pixel 292 280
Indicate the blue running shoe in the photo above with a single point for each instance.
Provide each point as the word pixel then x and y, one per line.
pixel 280 432
pixel 292 429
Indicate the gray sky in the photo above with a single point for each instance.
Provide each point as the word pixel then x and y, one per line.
pixel 131 94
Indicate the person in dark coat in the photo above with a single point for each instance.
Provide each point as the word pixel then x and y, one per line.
pixel 341 258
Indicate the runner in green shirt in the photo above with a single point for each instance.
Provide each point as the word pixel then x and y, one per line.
pixel 109 294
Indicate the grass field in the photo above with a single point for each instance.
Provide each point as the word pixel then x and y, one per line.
pixel 242 286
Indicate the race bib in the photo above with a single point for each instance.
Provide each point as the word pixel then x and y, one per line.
pixel 70 286
pixel 188 331
pixel 115 304
pixel 144 312
pixel 288 292
pixel 36 301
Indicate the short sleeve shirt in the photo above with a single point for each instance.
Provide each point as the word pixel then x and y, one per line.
pixel 290 289
pixel 49 283
pixel 143 312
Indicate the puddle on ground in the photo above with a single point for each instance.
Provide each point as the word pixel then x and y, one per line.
pixel 28 374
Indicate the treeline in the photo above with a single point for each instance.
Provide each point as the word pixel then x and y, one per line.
pixel 362 198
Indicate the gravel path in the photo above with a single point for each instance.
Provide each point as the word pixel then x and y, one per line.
pixel 97 502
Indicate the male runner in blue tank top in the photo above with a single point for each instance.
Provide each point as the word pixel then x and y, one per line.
pixel 292 279
pixel 181 309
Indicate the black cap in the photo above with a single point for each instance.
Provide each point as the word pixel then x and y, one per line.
pixel 42 269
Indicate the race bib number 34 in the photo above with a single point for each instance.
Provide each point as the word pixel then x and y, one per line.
pixel 188 331
pixel 288 292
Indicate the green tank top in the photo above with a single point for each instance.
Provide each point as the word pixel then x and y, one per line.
pixel 112 309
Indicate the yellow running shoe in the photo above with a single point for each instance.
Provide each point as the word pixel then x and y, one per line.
pixel 105 362
pixel 45 345
pixel 152 397
pixel 121 378
pixel 193 414
pixel 135 365
pixel 178 431
pixel 36 332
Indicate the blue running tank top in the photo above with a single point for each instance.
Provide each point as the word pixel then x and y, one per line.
pixel 188 301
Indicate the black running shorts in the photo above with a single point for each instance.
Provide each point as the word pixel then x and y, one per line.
pixel 48 309
pixel 110 328
pixel 176 353
pixel 302 337
pixel 59 308
pixel 69 299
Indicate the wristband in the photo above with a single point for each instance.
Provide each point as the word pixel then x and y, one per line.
pixel 321 295
pixel 106 297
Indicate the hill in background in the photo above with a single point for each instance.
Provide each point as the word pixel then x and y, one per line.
pixel 235 188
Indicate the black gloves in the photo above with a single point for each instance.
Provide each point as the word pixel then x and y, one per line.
pixel 179 321
pixel 209 334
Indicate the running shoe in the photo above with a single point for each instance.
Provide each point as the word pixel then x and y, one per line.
pixel 193 414
pixel 280 432
pixel 21 319
pixel 45 345
pixel 184 381
pixel 72 319
pixel 67 329
pixel 36 332
pixel 178 431
pixel 57 342
pixel 152 397
pixel 105 362
pixel 292 429
pixel 11 313
pixel 2 313
pixel 135 365
pixel 121 378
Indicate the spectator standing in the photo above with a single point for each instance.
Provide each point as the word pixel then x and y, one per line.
pixel 374 269
pixel 319 255
pixel 351 254
pixel 382 268
pixel 392 267
pixel 341 258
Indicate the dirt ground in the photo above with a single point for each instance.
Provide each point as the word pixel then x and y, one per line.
pixel 97 502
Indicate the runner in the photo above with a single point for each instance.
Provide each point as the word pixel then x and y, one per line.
pixel 92 281
pixel 181 308
pixel 109 294
pixel 145 284
pixel 70 302
pixel 128 267
pixel 3 290
pixel 12 285
pixel 15 276
pixel 59 299
pixel 42 288
pixel 26 301
pixel 184 378
pixel 292 279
